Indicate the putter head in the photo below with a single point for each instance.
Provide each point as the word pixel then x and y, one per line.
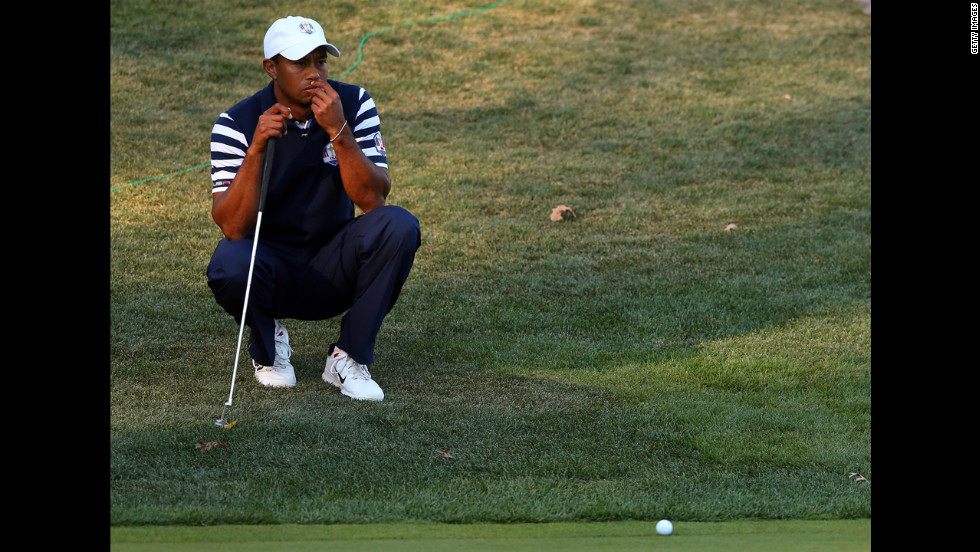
pixel 220 422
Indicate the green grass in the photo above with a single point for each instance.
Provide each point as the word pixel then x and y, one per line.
pixel 639 361
pixel 784 536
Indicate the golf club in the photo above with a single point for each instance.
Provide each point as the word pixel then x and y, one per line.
pixel 266 171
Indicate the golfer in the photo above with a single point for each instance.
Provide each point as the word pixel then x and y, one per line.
pixel 315 259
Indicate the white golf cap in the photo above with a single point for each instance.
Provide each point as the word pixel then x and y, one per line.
pixel 294 37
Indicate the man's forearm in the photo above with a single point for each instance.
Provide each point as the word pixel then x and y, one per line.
pixel 366 184
pixel 236 209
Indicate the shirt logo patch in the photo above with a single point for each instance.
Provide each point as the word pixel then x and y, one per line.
pixel 379 142
pixel 329 155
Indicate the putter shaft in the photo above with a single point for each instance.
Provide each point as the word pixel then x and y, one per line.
pixel 266 173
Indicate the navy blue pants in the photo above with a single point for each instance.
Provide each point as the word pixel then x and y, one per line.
pixel 360 271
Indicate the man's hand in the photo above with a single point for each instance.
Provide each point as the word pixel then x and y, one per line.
pixel 327 108
pixel 272 124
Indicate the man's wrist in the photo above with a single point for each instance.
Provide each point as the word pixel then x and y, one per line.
pixel 339 132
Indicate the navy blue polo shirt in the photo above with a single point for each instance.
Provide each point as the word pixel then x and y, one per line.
pixel 306 202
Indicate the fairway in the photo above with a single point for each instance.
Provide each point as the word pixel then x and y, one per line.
pixel 690 341
pixel 756 536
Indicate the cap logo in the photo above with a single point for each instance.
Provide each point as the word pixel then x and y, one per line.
pixel 305 27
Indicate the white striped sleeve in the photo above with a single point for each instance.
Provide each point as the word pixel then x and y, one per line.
pixel 367 130
pixel 228 147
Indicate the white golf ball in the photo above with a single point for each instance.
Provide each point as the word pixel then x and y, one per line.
pixel 665 527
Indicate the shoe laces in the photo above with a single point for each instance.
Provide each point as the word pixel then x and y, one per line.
pixel 283 352
pixel 353 369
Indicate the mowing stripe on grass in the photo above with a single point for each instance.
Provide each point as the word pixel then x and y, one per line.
pixel 758 536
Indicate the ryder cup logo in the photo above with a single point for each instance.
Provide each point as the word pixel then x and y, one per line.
pixel 329 155
pixel 306 27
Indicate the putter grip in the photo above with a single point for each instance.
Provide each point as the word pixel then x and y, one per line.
pixel 270 150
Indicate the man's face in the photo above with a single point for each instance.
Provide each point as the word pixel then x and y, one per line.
pixel 294 78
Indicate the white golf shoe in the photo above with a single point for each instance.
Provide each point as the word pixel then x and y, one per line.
pixel 281 373
pixel 351 377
